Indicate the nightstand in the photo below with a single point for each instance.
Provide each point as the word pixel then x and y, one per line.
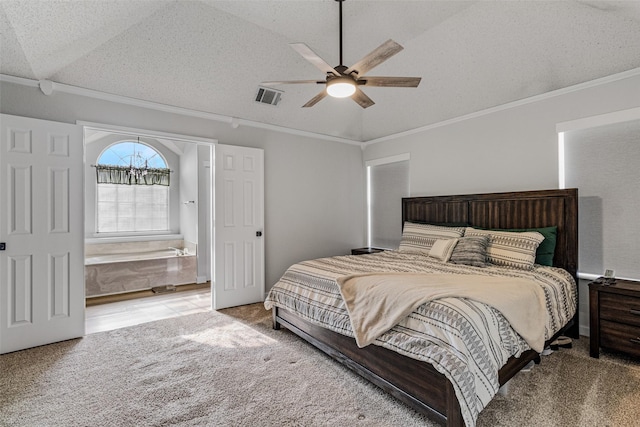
pixel 614 316
pixel 364 251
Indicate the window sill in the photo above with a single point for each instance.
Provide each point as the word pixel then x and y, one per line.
pixel 133 238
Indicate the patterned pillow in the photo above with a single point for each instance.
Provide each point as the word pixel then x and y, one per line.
pixel 421 237
pixel 510 249
pixel 471 251
pixel 442 249
pixel 547 249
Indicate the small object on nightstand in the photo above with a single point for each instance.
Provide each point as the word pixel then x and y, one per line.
pixel 365 251
pixel 614 316
pixel 608 278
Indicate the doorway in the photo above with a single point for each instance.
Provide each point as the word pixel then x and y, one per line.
pixel 43 232
pixel 148 220
pixel 43 226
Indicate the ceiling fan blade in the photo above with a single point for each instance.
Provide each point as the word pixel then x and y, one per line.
pixel 311 56
pixel 290 82
pixel 313 101
pixel 389 81
pixel 362 99
pixel 377 56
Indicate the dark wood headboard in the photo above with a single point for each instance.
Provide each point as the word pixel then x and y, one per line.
pixel 525 209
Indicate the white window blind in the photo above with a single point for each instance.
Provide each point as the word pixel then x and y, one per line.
pixel 604 164
pixel 132 208
pixel 387 184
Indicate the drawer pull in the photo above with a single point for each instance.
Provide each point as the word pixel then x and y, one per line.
pixel 635 340
pixel 636 312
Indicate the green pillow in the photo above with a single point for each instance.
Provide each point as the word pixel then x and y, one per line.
pixel 546 249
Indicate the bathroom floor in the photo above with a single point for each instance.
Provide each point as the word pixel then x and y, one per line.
pixel 120 314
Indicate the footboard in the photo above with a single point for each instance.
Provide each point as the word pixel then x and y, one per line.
pixel 396 374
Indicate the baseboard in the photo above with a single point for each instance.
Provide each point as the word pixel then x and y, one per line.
pixel 584 330
pixel 201 279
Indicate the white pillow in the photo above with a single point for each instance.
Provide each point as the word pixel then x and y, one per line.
pixel 442 249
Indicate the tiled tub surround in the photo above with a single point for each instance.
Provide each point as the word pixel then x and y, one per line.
pixel 113 268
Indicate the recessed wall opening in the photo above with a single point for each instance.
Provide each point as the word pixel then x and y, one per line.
pixel 599 156
pixel 148 217
pixel 601 161
pixel 387 183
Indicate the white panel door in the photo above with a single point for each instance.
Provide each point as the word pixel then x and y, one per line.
pixel 239 223
pixel 41 223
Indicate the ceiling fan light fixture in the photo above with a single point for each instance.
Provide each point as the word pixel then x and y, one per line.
pixel 341 87
pixel 342 81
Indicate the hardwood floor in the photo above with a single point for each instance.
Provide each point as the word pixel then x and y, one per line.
pixel 120 314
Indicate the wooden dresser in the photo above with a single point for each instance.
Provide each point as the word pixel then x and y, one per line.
pixel 614 316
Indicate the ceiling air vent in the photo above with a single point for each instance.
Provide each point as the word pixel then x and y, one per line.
pixel 268 95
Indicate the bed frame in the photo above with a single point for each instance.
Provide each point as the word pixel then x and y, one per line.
pixel 417 383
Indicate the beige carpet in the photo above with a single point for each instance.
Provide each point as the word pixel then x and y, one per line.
pixel 231 369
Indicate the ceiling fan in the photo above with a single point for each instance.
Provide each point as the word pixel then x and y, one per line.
pixel 342 81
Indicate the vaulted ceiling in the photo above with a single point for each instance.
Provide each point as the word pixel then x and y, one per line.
pixel 211 55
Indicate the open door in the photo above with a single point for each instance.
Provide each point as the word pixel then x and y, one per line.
pixel 239 226
pixel 42 231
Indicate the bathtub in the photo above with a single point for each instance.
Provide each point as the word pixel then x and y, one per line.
pixel 114 268
pixel 124 257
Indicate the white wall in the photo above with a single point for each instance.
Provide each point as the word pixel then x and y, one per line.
pixel 515 149
pixel 314 193
pixel 189 192
pixel 204 210
pixel 195 183
pixel 509 150
pixel 603 161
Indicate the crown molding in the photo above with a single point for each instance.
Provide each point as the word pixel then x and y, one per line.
pixel 232 121
pixel 536 98
pixel 235 122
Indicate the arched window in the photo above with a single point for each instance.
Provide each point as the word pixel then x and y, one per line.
pixel 132 189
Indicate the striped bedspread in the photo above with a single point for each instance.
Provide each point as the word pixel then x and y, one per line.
pixel 466 341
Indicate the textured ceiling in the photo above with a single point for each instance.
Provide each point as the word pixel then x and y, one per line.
pixel 211 55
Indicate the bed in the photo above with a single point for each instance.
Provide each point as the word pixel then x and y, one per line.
pixel 420 380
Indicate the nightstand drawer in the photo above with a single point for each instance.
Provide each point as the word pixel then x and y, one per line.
pixel 620 337
pixel 620 308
